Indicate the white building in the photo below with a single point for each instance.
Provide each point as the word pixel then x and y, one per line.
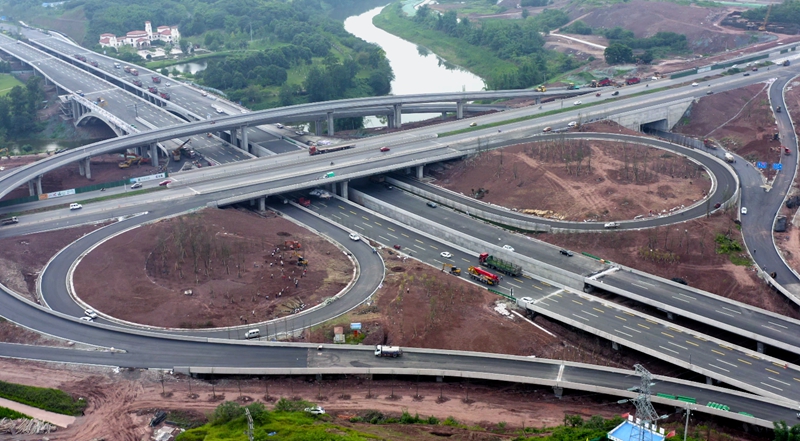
pixel 141 39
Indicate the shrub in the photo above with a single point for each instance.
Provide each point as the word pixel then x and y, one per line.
pixel 225 412
pixel 12 414
pixel 284 405
pixel 53 400
pixel 406 418
pixel 433 420
pixel 450 421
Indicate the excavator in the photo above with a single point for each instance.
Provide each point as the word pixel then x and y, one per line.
pixel 763 27
pixel 176 154
pixel 454 270
pixel 127 163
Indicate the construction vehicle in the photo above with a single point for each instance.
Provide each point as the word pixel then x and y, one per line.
pixel 164 95
pixel 632 80
pixel 763 26
pixel 503 266
pixel 708 143
pixel 301 261
pixel 9 221
pixel 152 89
pixel 318 150
pixel 483 276
pixel 604 82
pixel 304 202
pixel 291 245
pixel 454 270
pixel 388 351
pixel 176 154
pixel 541 89
pixel 729 158
pixel 571 86
pixel 156 79
pixel 142 160
pixel 127 163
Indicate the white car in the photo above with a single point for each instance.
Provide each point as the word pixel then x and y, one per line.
pixel 527 299
pixel 572 124
pixel 445 254
pixel 744 210
pixel 136 185
pixel 354 236
pixel 279 125
pixel 86 319
pixel 90 313
pixel 316 410
pixel 694 84
pixel 577 103
pixel 508 248
pixel 75 206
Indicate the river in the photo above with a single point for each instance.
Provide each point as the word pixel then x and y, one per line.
pixel 416 70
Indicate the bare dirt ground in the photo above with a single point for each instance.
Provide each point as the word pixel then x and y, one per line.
pixel 419 306
pixel 580 180
pixel 225 257
pixel 741 120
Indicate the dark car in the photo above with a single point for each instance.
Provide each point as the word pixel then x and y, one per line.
pixel 431 204
pixel 747 74
pixel 566 253
pixel 615 93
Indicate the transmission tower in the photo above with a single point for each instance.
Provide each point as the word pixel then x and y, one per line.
pixel 645 413
pixel 249 431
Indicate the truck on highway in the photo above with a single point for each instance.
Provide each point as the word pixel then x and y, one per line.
pixel 541 89
pixel 127 69
pixel 164 95
pixel 9 221
pixel 483 276
pixel 304 202
pixel 729 158
pixel 156 79
pixel 318 150
pixel 611 225
pixel 152 89
pixel 388 351
pixel 134 72
pixel 632 80
pixel 137 83
pixel 501 265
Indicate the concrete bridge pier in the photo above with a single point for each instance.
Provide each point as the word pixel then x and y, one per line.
pixel 343 188
pixel 245 142
pixel 460 109
pixel 234 137
pixel 154 154
pixel 318 127
pixel 81 171
pixel 559 391
pixel 87 167
pixel 614 346
pixel 262 203
pixel 420 173
pixel 35 186
pixel 398 116
pixel 390 120
pixel 330 124
pixel 709 381
pixel 670 316
pixel 760 347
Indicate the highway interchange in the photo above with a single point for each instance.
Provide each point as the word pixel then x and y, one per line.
pixel 182 199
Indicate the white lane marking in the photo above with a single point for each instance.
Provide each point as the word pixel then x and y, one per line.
pixel 774 387
pixel 631 329
pixel 359 227
pixel 682 300
pixel 640 286
pixel 392 235
pixel 724 313
pixel 723 361
pixel 722 369
pixel 624 333
pixel 675 344
pixel 668 349
pixel 686 295
pixel 582 318
pixel 731 310
pixel 772 323
pixel 586 312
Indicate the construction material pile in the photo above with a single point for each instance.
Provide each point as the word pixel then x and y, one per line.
pixel 24 426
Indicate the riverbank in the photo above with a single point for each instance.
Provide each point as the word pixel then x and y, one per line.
pixel 480 61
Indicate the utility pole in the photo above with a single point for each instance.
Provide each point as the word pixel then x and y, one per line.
pixel 686 429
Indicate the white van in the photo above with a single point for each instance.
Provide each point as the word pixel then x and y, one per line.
pixel 75 206
pixel 253 333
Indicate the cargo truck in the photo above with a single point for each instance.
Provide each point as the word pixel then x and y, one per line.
pixel 304 202
pixel 127 69
pixel 388 351
pixel 483 276
pixel 729 158
pixel 156 79
pixel 632 80
pixel 503 266
pixel 134 72
pixel 164 95
pixel 9 221
pixel 318 150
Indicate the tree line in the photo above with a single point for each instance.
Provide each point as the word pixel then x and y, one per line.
pixel 18 110
pixel 626 48
pixel 786 12
pixel 519 41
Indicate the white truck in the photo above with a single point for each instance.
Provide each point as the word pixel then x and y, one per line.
pixel 729 158
pixel 611 225
pixel 388 351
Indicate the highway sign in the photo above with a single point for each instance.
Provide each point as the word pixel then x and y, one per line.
pixel 777 166
pixel 761 165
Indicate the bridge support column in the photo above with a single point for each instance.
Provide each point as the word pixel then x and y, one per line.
pixel 343 188
pixel 760 347
pixel 31 188
pixel 407 170
pixel 234 137
pixel 420 171
pixel 35 186
pixel 398 116
pixel 245 142
pixel 459 109
pixel 439 378
pixel 614 346
pixel 252 202
pixel 39 184
pixel 81 171
pixel 154 154
pixel 318 127
pixel 262 203
pixel 390 120
pixel 330 123
pixel 709 381
pixel 670 316
pixel 559 391
pixel 87 166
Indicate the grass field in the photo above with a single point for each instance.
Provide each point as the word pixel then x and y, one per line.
pixel 7 82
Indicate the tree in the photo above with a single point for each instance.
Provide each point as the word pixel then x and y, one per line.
pixel 286 95
pixel 647 57
pixel 185 46
pixel 617 53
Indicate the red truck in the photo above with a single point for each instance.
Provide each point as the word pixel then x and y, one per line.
pixel 164 95
pixel 137 83
pixel 156 79
pixel 632 80
pixel 152 89
pixel 604 82
pixel 127 69
pixel 93 63
pixel 304 202
pixel 483 276
pixel 134 72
